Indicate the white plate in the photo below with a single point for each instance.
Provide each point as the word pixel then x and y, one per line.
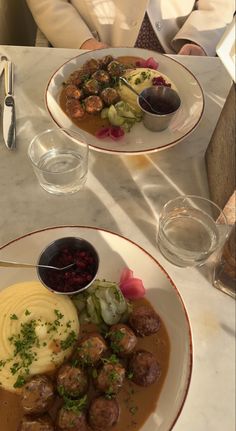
pixel 115 253
pixel 139 140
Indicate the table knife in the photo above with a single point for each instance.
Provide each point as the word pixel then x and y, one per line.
pixel 2 66
pixel 9 119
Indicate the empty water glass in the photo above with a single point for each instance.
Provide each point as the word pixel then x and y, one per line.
pixel 60 160
pixel 191 229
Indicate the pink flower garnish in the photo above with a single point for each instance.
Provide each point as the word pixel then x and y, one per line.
pixel 126 275
pixel 131 287
pixel 150 63
pixel 113 132
pixel 116 132
pixel 103 133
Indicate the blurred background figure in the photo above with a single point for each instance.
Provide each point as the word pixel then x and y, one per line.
pixel 185 27
pixel 17 27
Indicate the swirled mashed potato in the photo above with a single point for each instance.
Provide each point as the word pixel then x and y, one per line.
pixel 38 330
pixel 139 78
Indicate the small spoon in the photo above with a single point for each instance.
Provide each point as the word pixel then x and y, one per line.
pixel 139 95
pixel 7 264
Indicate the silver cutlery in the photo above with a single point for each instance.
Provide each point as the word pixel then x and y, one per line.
pixel 7 264
pixel 9 119
pixel 2 64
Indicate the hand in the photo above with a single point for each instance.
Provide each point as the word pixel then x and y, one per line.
pixel 92 44
pixel 191 49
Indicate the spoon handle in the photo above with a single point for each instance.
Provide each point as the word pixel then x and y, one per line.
pixel 5 264
pixel 153 110
pixel 128 85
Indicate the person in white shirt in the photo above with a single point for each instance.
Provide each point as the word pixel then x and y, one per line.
pixel 185 27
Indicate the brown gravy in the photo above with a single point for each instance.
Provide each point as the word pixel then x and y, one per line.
pixel 136 402
pixel 92 123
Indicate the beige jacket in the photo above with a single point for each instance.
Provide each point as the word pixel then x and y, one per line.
pixel 117 22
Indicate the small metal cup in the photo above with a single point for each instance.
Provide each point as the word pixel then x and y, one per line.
pixel 154 94
pixel 54 248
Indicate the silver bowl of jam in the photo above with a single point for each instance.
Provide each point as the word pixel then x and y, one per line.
pixel 67 251
pixel 165 103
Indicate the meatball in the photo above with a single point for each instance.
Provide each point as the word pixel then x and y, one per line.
pixel 109 96
pixel 144 320
pixel 122 339
pixel 103 414
pixel 74 108
pixel 77 77
pixel 90 349
pixel 71 91
pixel 72 380
pixel 144 368
pixel 91 66
pixel 37 395
pixel 93 104
pixel 36 424
pixel 69 420
pixel 101 76
pixel 105 61
pixel 91 86
pixel 115 68
pixel 110 378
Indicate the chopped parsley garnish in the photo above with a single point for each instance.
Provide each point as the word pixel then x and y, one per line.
pixel 53 326
pixel 116 337
pixel 72 405
pixel 113 376
pixel 58 314
pixel 130 375
pixel 23 342
pixel 69 340
pixel 111 360
pixel 15 367
pixel 2 363
pixel 75 405
pixel 27 312
pixel 20 381
pixel 13 317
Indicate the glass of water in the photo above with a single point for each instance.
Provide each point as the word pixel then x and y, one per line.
pixel 191 229
pixel 60 160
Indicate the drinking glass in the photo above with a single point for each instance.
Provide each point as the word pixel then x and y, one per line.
pixel 191 229
pixel 60 160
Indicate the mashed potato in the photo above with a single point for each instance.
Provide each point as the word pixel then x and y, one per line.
pixel 38 330
pixel 139 79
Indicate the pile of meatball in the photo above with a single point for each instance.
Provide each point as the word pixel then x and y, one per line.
pixel 91 88
pixel 93 363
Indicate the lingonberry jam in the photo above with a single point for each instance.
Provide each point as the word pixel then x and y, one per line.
pixel 73 279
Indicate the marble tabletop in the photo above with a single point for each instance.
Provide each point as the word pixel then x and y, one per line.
pixel 124 194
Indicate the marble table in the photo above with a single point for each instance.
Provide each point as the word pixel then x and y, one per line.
pixel 124 194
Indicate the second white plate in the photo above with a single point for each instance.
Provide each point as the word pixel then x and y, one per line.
pixel 139 140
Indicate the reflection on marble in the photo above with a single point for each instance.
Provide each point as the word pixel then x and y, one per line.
pixel 125 194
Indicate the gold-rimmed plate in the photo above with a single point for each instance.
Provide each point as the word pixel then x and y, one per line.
pixel 115 252
pixel 139 140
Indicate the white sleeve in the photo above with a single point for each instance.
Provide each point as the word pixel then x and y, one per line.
pixel 60 22
pixel 206 25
